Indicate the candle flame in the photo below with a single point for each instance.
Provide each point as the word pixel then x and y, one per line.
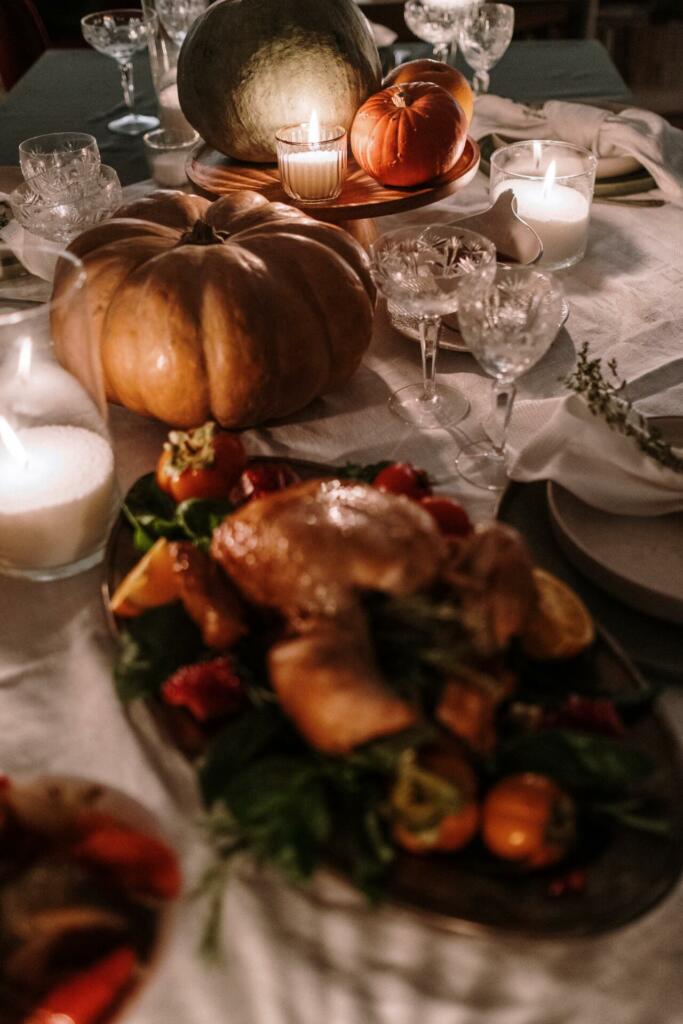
pixel 549 180
pixel 15 448
pixel 25 355
pixel 314 128
pixel 537 152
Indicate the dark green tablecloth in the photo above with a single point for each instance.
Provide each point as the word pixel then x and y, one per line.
pixel 79 90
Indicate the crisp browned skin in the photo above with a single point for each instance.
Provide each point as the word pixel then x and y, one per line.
pixel 208 596
pixel 308 549
pixel 492 573
pixel 329 685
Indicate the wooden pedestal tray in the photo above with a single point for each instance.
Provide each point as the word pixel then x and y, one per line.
pixel 361 200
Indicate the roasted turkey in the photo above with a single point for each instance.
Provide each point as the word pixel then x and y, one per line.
pixel 309 549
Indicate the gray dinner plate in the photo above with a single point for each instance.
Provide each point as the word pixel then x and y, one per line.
pixel 637 559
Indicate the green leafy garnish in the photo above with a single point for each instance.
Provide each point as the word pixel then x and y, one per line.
pixel 363 473
pixel 581 762
pixel 153 645
pixel 607 399
pixel 153 514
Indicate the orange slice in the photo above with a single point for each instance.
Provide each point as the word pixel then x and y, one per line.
pixel 560 626
pixel 150 583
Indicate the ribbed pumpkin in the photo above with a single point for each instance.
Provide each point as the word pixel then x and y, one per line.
pixel 408 134
pixel 249 67
pixel 240 310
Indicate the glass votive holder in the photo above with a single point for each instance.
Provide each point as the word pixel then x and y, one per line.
pixel 58 492
pixel 167 151
pixel 553 183
pixel 312 171
pixel 60 219
pixel 54 163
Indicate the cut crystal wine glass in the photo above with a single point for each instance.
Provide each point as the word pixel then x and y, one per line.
pixel 424 271
pixel 484 35
pixel 509 323
pixel 437 22
pixel 120 34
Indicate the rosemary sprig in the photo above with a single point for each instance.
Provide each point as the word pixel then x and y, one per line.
pixel 607 398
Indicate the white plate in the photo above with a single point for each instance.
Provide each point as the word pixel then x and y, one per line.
pixel 637 559
pixel 607 166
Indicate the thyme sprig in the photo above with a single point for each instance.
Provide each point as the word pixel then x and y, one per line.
pixel 608 399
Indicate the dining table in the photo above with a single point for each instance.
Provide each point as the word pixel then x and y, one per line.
pixel 295 954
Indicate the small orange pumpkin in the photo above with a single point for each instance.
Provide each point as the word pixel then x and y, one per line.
pixel 427 70
pixel 408 134
pixel 240 310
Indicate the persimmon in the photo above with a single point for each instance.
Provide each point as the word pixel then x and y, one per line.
pixel 528 818
pixel 434 802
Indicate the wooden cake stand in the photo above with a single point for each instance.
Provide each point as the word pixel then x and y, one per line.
pixel 361 200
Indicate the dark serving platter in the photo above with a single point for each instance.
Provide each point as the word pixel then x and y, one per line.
pixel 628 871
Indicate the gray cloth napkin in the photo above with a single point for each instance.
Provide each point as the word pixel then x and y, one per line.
pixel 647 137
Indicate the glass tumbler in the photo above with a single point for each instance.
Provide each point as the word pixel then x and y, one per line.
pixel 58 493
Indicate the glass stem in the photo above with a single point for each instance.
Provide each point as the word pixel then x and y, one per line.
pixel 481 82
pixel 452 52
pixel 127 84
pixel 502 398
pixel 429 343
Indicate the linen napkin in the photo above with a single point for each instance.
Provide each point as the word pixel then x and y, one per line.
pixel 646 136
pixel 560 439
pixel 38 255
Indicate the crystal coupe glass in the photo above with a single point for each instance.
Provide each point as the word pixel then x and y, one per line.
pixel 509 323
pixel 484 36
pixel 425 271
pixel 120 34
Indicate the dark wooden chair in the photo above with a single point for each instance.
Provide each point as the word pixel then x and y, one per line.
pixel 22 39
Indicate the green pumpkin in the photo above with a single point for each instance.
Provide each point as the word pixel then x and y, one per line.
pixel 249 67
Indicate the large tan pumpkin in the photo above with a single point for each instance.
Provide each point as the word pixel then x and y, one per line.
pixel 249 67
pixel 241 310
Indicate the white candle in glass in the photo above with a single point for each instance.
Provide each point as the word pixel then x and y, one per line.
pixel 558 214
pixel 57 494
pixel 312 160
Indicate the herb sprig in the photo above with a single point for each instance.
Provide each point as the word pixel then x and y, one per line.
pixel 607 398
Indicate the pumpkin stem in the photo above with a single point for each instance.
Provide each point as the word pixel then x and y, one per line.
pixel 202 233
pixel 401 98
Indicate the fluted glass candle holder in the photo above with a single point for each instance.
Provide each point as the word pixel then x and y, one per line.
pixel 312 169
pixel 553 183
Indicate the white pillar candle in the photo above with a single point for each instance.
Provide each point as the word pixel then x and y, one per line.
pixel 560 219
pixel 312 176
pixel 57 494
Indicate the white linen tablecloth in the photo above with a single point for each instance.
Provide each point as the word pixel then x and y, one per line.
pixel 293 958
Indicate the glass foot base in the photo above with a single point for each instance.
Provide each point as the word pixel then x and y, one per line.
pixel 480 465
pixel 447 408
pixel 133 124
